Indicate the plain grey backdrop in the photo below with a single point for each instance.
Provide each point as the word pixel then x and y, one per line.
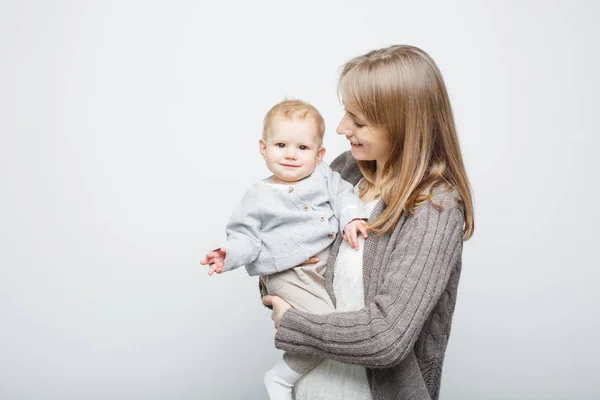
pixel 129 132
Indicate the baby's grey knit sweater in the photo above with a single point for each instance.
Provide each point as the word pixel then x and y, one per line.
pixel 410 278
pixel 275 228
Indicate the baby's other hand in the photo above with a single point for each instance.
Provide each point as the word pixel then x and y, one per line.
pixel 351 232
pixel 215 260
pixel 312 260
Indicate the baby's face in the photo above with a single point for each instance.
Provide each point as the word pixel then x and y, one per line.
pixel 292 149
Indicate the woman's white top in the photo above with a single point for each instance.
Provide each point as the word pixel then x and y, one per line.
pixel 334 380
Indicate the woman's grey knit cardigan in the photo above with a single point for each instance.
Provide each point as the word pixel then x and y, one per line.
pixel 410 279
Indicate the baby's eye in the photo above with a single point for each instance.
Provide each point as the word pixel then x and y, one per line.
pixel 303 147
pixel 280 145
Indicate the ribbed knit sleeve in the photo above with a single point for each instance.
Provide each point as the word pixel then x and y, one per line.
pixel 415 274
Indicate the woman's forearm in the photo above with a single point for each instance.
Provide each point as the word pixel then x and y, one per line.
pixel 381 334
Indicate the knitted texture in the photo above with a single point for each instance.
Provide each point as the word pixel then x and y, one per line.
pixel 277 227
pixel 411 276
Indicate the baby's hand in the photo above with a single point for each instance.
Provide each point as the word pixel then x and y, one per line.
pixel 351 232
pixel 215 260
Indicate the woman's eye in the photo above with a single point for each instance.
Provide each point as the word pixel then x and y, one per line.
pixel 280 145
pixel 358 125
pixel 303 147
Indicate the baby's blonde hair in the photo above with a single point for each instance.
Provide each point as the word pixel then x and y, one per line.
pixel 291 109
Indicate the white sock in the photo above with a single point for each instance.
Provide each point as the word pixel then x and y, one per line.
pixel 280 380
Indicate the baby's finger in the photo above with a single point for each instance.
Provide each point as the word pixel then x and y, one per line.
pixel 354 240
pixel 345 235
pixel 363 230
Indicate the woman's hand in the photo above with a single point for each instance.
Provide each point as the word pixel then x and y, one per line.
pixel 280 306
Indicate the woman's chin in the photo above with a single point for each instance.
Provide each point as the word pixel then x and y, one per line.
pixel 358 153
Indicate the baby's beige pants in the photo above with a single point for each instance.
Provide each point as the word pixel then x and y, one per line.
pixel 303 287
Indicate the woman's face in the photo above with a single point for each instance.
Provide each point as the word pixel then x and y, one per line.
pixel 367 142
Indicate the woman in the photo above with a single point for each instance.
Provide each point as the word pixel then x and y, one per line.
pixel 393 317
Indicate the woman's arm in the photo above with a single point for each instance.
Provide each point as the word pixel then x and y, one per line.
pixel 416 273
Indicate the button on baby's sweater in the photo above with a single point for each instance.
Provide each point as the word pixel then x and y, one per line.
pixel 305 208
pixel 290 190
pixel 322 219
pixel 331 235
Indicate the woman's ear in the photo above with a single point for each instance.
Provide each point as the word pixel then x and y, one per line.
pixel 320 154
pixel 262 147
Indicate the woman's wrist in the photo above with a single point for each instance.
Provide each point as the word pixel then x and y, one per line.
pixel 285 317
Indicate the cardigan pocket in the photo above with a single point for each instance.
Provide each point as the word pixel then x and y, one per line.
pixel 273 283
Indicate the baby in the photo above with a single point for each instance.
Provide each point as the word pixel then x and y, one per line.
pixel 286 219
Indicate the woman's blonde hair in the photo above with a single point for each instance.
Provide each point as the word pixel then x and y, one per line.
pixel 400 90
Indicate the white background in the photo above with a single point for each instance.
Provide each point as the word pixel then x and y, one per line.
pixel 129 132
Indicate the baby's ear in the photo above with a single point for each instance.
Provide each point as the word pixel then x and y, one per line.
pixel 262 147
pixel 320 154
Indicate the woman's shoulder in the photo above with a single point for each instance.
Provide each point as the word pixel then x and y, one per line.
pixel 440 215
pixel 445 196
pixel 342 161
pixel 347 167
pixel 442 199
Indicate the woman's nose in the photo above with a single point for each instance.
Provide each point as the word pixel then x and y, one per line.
pixel 343 127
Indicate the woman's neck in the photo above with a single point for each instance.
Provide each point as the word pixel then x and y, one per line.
pixel 378 174
pixel 375 190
